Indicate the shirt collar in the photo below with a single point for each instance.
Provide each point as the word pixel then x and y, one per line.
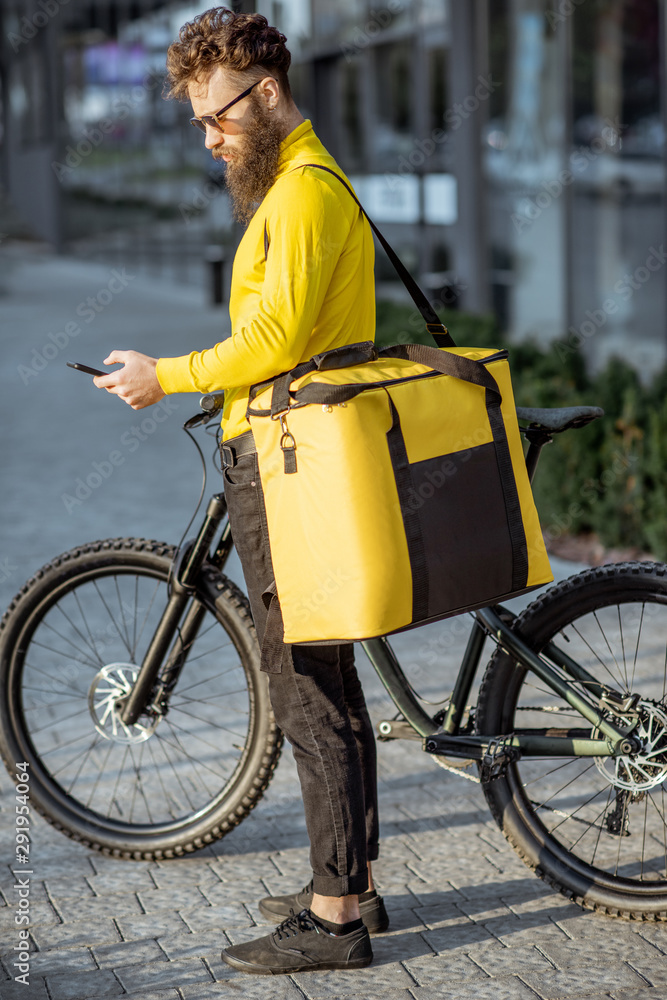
pixel 301 140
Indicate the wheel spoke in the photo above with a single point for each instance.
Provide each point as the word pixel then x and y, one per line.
pixel 168 795
pixel 592 824
pixel 98 776
pixel 620 633
pixel 85 658
pixel 634 658
pixel 128 644
pixel 566 785
pixel 199 739
pixel 143 624
pixel 59 722
pixel 114 622
pixel 139 784
pixel 164 744
pixel 582 805
pixel 614 622
pixel 567 763
pixel 84 758
pixel 597 842
pixel 207 680
pixel 86 628
pixel 600 661
pixel 134 619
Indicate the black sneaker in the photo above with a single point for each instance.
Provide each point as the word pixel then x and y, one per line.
pixel 371 907
pixel 301 944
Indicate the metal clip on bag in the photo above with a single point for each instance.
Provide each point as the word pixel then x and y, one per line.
pixel 395 486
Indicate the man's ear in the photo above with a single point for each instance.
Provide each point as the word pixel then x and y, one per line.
pixel 269 91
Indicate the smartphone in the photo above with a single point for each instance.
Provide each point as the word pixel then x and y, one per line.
pixel 86 369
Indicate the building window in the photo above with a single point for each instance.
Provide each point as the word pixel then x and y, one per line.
pixel 617 161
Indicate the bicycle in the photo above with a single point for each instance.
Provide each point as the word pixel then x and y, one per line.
pixel 130 683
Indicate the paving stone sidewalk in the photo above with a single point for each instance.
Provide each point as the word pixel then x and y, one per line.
pixel 468 920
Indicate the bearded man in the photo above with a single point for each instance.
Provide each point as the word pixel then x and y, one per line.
pixel 302 283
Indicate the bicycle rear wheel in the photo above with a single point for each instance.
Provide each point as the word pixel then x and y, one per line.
pixel 594 828
pixel 71 644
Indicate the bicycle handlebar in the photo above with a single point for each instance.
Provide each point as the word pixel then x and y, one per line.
pixel 212 402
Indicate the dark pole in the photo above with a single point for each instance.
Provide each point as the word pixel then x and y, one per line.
pixel 663 106
pixel 468 69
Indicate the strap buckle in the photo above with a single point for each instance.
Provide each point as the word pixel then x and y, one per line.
pixel 228 456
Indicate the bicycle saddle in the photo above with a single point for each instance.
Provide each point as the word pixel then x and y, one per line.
pixel 558 418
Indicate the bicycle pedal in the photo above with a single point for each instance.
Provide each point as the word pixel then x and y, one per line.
pixel 496 760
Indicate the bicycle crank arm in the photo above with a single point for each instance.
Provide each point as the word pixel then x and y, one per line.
pixel 573 743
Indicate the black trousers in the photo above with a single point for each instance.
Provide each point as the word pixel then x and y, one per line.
pixel 319 704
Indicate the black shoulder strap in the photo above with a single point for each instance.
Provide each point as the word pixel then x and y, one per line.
pixel 438 330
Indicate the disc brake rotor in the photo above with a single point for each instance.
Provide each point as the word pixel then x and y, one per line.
pixel 648 768
pixel 109 686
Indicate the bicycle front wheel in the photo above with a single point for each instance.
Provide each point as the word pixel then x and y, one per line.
pixel 70 648
pixel 594 828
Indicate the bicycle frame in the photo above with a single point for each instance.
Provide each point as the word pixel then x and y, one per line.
pixel 158 675
pixel 450 742
pixel 493 621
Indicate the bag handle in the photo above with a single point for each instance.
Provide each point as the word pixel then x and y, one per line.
pixel 319 392
pixel 447 364
pixel 435 327
pixel 339 357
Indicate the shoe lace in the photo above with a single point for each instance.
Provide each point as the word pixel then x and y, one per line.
pixel 295 924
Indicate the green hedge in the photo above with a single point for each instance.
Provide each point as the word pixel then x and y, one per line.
pixel 610 477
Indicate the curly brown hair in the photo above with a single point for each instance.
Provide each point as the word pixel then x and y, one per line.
pixel 239 42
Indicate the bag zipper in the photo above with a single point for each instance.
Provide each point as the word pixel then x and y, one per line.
pixel 498 356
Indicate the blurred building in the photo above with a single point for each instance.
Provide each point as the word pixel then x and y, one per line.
pixel 513 151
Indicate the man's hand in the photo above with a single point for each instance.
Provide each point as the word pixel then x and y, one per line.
pixel 136 382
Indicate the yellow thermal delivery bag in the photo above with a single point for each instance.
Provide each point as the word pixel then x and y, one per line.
pixel 396 489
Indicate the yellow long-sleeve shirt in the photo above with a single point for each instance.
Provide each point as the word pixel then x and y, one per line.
pixel 313 292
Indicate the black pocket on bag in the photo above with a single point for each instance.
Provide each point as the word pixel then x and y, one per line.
pixel 461 508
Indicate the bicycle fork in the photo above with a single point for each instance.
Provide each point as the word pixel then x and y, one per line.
pixel 162 666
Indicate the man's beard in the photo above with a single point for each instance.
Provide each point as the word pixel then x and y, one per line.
pixel 254 164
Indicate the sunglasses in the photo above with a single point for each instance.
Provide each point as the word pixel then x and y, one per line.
pixel 213 120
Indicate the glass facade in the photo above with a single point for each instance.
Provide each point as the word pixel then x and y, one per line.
pixel 513 151
pixel 575 163
pixel 617 145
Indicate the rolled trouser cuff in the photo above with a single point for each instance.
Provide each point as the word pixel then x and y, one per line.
pixel 340 885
